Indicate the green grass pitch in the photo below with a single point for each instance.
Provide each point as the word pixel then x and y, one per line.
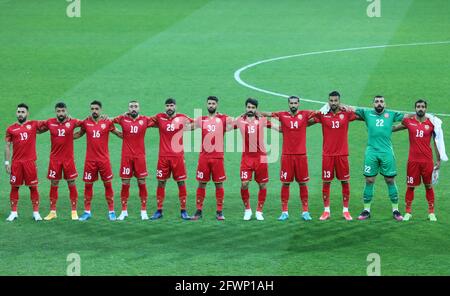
pixel 150 50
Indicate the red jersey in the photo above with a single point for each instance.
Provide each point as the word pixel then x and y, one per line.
pixel 253 135
pixel 23 138
pixel 335 132
pixel 420 134
pixel 97 139
pixel 61 136
pixel 171 133
pixel 213 130
pixel 294 130
pixel 134 130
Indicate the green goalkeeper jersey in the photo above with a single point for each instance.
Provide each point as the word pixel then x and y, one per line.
pixel 379 128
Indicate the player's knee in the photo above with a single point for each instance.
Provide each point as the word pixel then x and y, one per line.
pixel 244 185
pixel 140 181
pixel 370 180
pixel 262 185
pixel 180 183
pixel 202 185
pixel 286 184
pixel 55 183
pixel 161 184
pixel 126 181
pixel 218 185
pixel 428 186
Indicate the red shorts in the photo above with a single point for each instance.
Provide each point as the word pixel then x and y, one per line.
pixel 211 166
pixel 256 164
pixel 417 171
pixel 294 165
pixel 24 172
pixel 171 165
pixel 133 166
pixel 93 168
pixel 335 166
pixel 57 167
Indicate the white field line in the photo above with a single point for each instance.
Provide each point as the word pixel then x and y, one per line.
pixel 237 74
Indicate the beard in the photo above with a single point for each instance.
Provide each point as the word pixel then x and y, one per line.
pixel 170 112
pixel 379 109
pixel 334 108
pixel 21 119
pixel 250 113
pixel 293 109
pixel 95 115
pixel 61 118
pixel 134 114
pixel 212 110
pixel 420 114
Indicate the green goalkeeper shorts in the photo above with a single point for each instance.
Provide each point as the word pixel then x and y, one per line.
pixel 379 163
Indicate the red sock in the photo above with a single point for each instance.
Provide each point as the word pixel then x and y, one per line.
pixel 201 192
pixel 345 194
pixel 430 199
pixel 304 197
pixel 14 198
pixel 143 194
pixel 88 192
pixel 182 194
pixel 326 194
pixel 160 195
pixel 73 196
pixel 245 198
pixel 220 195
pixel 53 197
pixel 109 195
pixel 34 194
pixel 262 194
pixel 284 197
pixel 409 198
pixel 124 195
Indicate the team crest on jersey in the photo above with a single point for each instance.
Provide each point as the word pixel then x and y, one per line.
pixel 341 116
pixel 300 116
pixel 217 120
pixel 427 127
pixel 141 122
pixel 103 126
pixel 256 121
pixel 28 127
pixel 68 124
pixel 176 120
pixel 386 115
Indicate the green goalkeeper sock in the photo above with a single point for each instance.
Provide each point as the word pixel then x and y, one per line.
pixel 393 193
pixel 368 194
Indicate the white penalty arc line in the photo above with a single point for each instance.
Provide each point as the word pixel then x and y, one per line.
pixel 237 74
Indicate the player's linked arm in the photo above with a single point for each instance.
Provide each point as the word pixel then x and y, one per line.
pixel 8 157
pixel 398 127
pixel 117 133
pixel 437 165
pixel 79 134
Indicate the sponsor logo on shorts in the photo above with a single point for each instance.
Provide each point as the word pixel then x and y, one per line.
pixel 110 176
pixel 223 177
pixel 265 179
pixel 73 175
pixel 181 177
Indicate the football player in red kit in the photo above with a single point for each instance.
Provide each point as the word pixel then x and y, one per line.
pixel 294 160
pixel 97 161
pixel 134 128
pixel 22 169
pixel 335 163
pixel 420 160
pixel 211 158
pixel 254 156
pixel 62 160
pixel 171 155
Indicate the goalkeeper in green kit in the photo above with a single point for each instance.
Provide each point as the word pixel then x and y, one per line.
pixel 379 156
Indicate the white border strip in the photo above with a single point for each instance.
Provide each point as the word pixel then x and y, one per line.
pixel 237 74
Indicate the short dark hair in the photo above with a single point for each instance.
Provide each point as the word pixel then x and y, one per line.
pixel 334 94
pixel 213 98
pixel 293 98
pixel 22 105
pixel 170 101
pixel 60 105
pixel 421 101
pixel 378 97
pixel 133 101
pixel 252 101
pixel 98 103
